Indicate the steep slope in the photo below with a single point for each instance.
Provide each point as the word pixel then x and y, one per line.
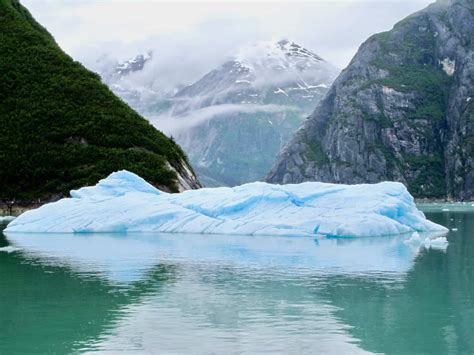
pixel 61 128
pixel 234 120
pixel 402 110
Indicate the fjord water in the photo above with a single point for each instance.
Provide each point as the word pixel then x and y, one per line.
pixel 212 294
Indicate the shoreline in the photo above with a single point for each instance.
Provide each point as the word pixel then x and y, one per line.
pixel 17 209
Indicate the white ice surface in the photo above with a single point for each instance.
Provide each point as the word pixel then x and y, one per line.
pixel 435 241
pixel 124 202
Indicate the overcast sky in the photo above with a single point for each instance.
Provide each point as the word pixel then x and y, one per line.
pixel 193 37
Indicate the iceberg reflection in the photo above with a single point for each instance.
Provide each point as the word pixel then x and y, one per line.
pixel 126 258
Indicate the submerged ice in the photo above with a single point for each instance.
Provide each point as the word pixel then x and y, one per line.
pixel 124 202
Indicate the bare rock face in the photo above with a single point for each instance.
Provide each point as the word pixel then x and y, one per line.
pixel 402 110
pixel 185 177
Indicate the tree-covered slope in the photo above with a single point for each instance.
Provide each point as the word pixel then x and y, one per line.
pixel 402 110
pixel 61 128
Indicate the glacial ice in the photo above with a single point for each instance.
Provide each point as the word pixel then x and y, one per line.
pixel 436 242
pixel 124 202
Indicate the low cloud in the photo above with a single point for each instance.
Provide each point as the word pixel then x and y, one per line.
pixel 174 125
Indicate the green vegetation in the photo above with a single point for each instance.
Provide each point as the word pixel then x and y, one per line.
pixel 390 159
pixel 429 83
pixel 420 72
pixel 429 181
pixel 60 127
pixel 469 138
pixel 408 78
pixel 316 153
pixel 381 119
pixel 418 43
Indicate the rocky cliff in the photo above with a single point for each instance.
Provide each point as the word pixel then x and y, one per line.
pixel 402 110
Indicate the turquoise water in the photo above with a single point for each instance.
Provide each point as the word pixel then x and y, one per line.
pixel 146 293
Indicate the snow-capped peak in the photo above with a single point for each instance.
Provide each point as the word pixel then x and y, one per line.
pixel 135 64
pixel 279 55
pixel 282 68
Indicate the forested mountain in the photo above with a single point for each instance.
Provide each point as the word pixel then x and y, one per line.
pixel 61 128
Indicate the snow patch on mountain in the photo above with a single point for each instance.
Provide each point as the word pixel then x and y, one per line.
pixel 134 64
pixel 277 55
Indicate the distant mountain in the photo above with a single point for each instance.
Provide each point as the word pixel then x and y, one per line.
pixel 61 128
pixel 402 110
pixel 126 79
pixel 265 73
pixel 133 65
pixel 234 120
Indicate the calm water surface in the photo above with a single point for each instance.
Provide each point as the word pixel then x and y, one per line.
pixel 144 293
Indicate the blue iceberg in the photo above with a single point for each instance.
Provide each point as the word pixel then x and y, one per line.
pixel 124 202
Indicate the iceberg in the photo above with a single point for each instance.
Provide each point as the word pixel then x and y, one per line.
pixel 435 242
pixel 124 202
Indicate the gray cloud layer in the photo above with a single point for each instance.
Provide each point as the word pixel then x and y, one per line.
pixel 191 38
pixel 176 125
